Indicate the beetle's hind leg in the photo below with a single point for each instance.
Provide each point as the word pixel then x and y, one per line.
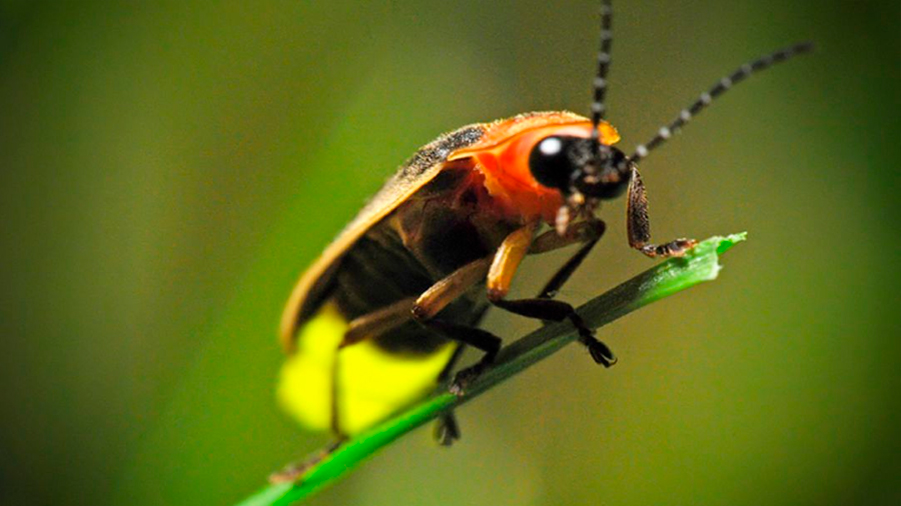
pixel 423 309
pixel 364 327
pixel 378 322
pixel 473 336
pixel 447 430
pixel 638 223
pixel 359 329
pixel 390 317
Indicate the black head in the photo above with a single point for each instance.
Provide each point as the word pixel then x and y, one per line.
pixel 578 169
pixel 586 170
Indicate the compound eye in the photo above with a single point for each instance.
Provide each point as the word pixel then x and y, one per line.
pixel 550 163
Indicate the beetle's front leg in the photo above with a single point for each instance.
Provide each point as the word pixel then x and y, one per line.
pixel 638 224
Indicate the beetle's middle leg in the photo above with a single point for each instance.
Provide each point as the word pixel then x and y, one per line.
pixel 367 326
pixel 586 232
pixel 507 260
pixel 429 304
pixel 423 309
pixel 445 291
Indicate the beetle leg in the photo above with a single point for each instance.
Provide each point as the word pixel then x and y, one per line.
pixel 423 309
pixel 587 232
pixel 445 291
pixel 359 329
pixel 639 224
pixel 555 310
pixel 580 232
pixel 506 261
pixel 473 336
pixel 446 429
pixel 378 322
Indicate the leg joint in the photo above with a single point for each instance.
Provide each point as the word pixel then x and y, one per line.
pixel 420 313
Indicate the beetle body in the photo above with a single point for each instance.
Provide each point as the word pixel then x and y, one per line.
pixel 454 202
pixel 382 314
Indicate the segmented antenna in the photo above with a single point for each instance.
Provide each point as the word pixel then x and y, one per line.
pixel 707 97
pixel 600 81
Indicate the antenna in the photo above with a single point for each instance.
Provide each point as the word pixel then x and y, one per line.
pixel 600 81
pixel 762 63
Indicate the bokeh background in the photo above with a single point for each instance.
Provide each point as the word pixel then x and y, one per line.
pixel 169 168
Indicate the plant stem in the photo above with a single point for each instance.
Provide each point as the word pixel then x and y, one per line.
pixel 674 275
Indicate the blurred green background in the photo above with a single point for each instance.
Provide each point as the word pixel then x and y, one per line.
pixel 168 170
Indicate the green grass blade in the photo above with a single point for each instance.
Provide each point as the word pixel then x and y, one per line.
pixel 666 278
